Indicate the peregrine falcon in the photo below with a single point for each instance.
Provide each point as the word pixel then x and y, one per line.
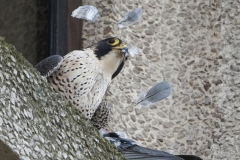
pixel 84 75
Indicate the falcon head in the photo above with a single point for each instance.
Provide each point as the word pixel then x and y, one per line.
pixel 111 53
pixel 111 45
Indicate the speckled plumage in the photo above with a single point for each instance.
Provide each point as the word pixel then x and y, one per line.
pixel 83 76
pixel 79 78
pixel 101 115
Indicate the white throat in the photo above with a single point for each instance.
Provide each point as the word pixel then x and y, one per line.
pixel 110 62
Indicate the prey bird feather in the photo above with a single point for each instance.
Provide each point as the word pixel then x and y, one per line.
pixel 87 12
pixel 131 18
pixel 155 94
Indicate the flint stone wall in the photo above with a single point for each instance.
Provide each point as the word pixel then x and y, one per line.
pixel 195 46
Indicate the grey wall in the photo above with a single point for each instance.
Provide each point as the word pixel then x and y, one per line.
pixel 195 46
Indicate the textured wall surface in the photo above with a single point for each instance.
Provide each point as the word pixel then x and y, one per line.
pixel 36 122
pixel 195 46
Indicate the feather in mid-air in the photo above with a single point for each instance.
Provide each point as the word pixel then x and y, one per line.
pixel 87 12
pixel 83 76
pixel 156 93
pixel 130 18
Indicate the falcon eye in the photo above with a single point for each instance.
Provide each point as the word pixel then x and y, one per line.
pixel 113 42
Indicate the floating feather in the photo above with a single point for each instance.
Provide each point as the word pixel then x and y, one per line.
pixel 131 18
pixel 132 50
pixel 87 12
pixel 156 93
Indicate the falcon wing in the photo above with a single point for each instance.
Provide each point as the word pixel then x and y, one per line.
pixel 47 66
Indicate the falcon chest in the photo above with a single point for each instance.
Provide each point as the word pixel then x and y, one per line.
pixel 82 81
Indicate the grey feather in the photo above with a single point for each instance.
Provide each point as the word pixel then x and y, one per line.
pixel 156 93
pixel 47 66
pixel 131 18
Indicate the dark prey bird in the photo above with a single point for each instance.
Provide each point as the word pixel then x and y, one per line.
pixel 132 151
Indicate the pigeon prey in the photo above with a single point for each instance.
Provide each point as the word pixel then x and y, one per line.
pixel 132 151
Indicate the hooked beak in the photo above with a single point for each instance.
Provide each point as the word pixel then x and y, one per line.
pixel 124 52
pixel 123 49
